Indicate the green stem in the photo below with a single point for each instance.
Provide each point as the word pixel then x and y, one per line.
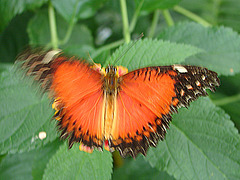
pixel 70 27
pixel 126 31
pixel 107 47
pixel 215 10
pixel 53 28
pixel 227 100
pixel 154 23
pixel 135 16
pixel 68 34
pixel 168 18
pixel 191 15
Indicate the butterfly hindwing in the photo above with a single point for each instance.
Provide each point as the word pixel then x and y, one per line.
pixel 147 98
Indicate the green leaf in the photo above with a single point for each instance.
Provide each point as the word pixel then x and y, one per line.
pixel 224 12
pixel 151 5
pixel 80 42
pixel 12 39
pixel 2 157
pixel 201 143
pixel 17 166
pixel 139 169
pixel 75 164
pixel 23 115
pixel 221 46
pixel 102 57
pixel 9 9
pixel 42 157
pixel 228 97
pixel 229 12
pixel 150 52
pixel 77 9
pixel 27 165
pixel 5 67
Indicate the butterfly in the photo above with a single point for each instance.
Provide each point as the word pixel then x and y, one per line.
pixel 110 107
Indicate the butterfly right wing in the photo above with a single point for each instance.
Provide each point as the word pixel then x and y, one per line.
pixel 77 90
pixel 148 97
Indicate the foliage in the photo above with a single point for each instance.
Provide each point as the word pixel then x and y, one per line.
pixel 202 142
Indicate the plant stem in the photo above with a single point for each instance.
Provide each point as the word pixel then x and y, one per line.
pixel 53 28
pixel 191 15
pixel 154 23
pixel 126 32
pixel 70 27
pixel 227 100
pixel 68 34
pixel 135 16
pixel 215 9
pixel 168 18
pixel 107 47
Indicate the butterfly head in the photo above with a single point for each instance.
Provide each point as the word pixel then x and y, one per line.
pixel 111 70
pixel 116 70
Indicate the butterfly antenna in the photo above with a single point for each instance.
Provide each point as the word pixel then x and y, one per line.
pixel 138 38
pixel 90 58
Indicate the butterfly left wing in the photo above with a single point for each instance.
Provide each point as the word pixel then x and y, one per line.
pixel 146 100
pixel 77 90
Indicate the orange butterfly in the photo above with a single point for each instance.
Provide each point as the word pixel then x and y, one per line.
pixel 114 109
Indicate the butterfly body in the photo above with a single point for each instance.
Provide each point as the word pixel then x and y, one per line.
pixel 124 111
pixel 110 90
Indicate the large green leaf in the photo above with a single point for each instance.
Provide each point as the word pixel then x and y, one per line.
pixel 150 52
pixel 202 143
pixel 75 164
pixel 42 157
pixel 151 5
pixel 27 165
pixel 79 43
pixel 221 45
pixel 24 115
pixel 17 166
pixel 5 67
pixel 139 169
pixel 228 97
pixel 13 40
pixel 77 9
pixel 9 9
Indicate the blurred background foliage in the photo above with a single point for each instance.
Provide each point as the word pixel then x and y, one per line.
pixel 97 27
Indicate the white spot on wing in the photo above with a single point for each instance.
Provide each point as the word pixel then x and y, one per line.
pixel 198 83
pixel 189 86
pixel 164 127
pixel 182 92
pixel 180 68
pixel 48 57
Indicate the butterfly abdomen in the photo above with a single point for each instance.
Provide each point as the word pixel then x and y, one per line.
pixel 110 90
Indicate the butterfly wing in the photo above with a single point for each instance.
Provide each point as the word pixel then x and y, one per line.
pixel 77 90
pixel 146 100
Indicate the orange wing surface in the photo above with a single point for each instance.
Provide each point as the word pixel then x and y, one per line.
pixel 77 90
pixel 146 100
